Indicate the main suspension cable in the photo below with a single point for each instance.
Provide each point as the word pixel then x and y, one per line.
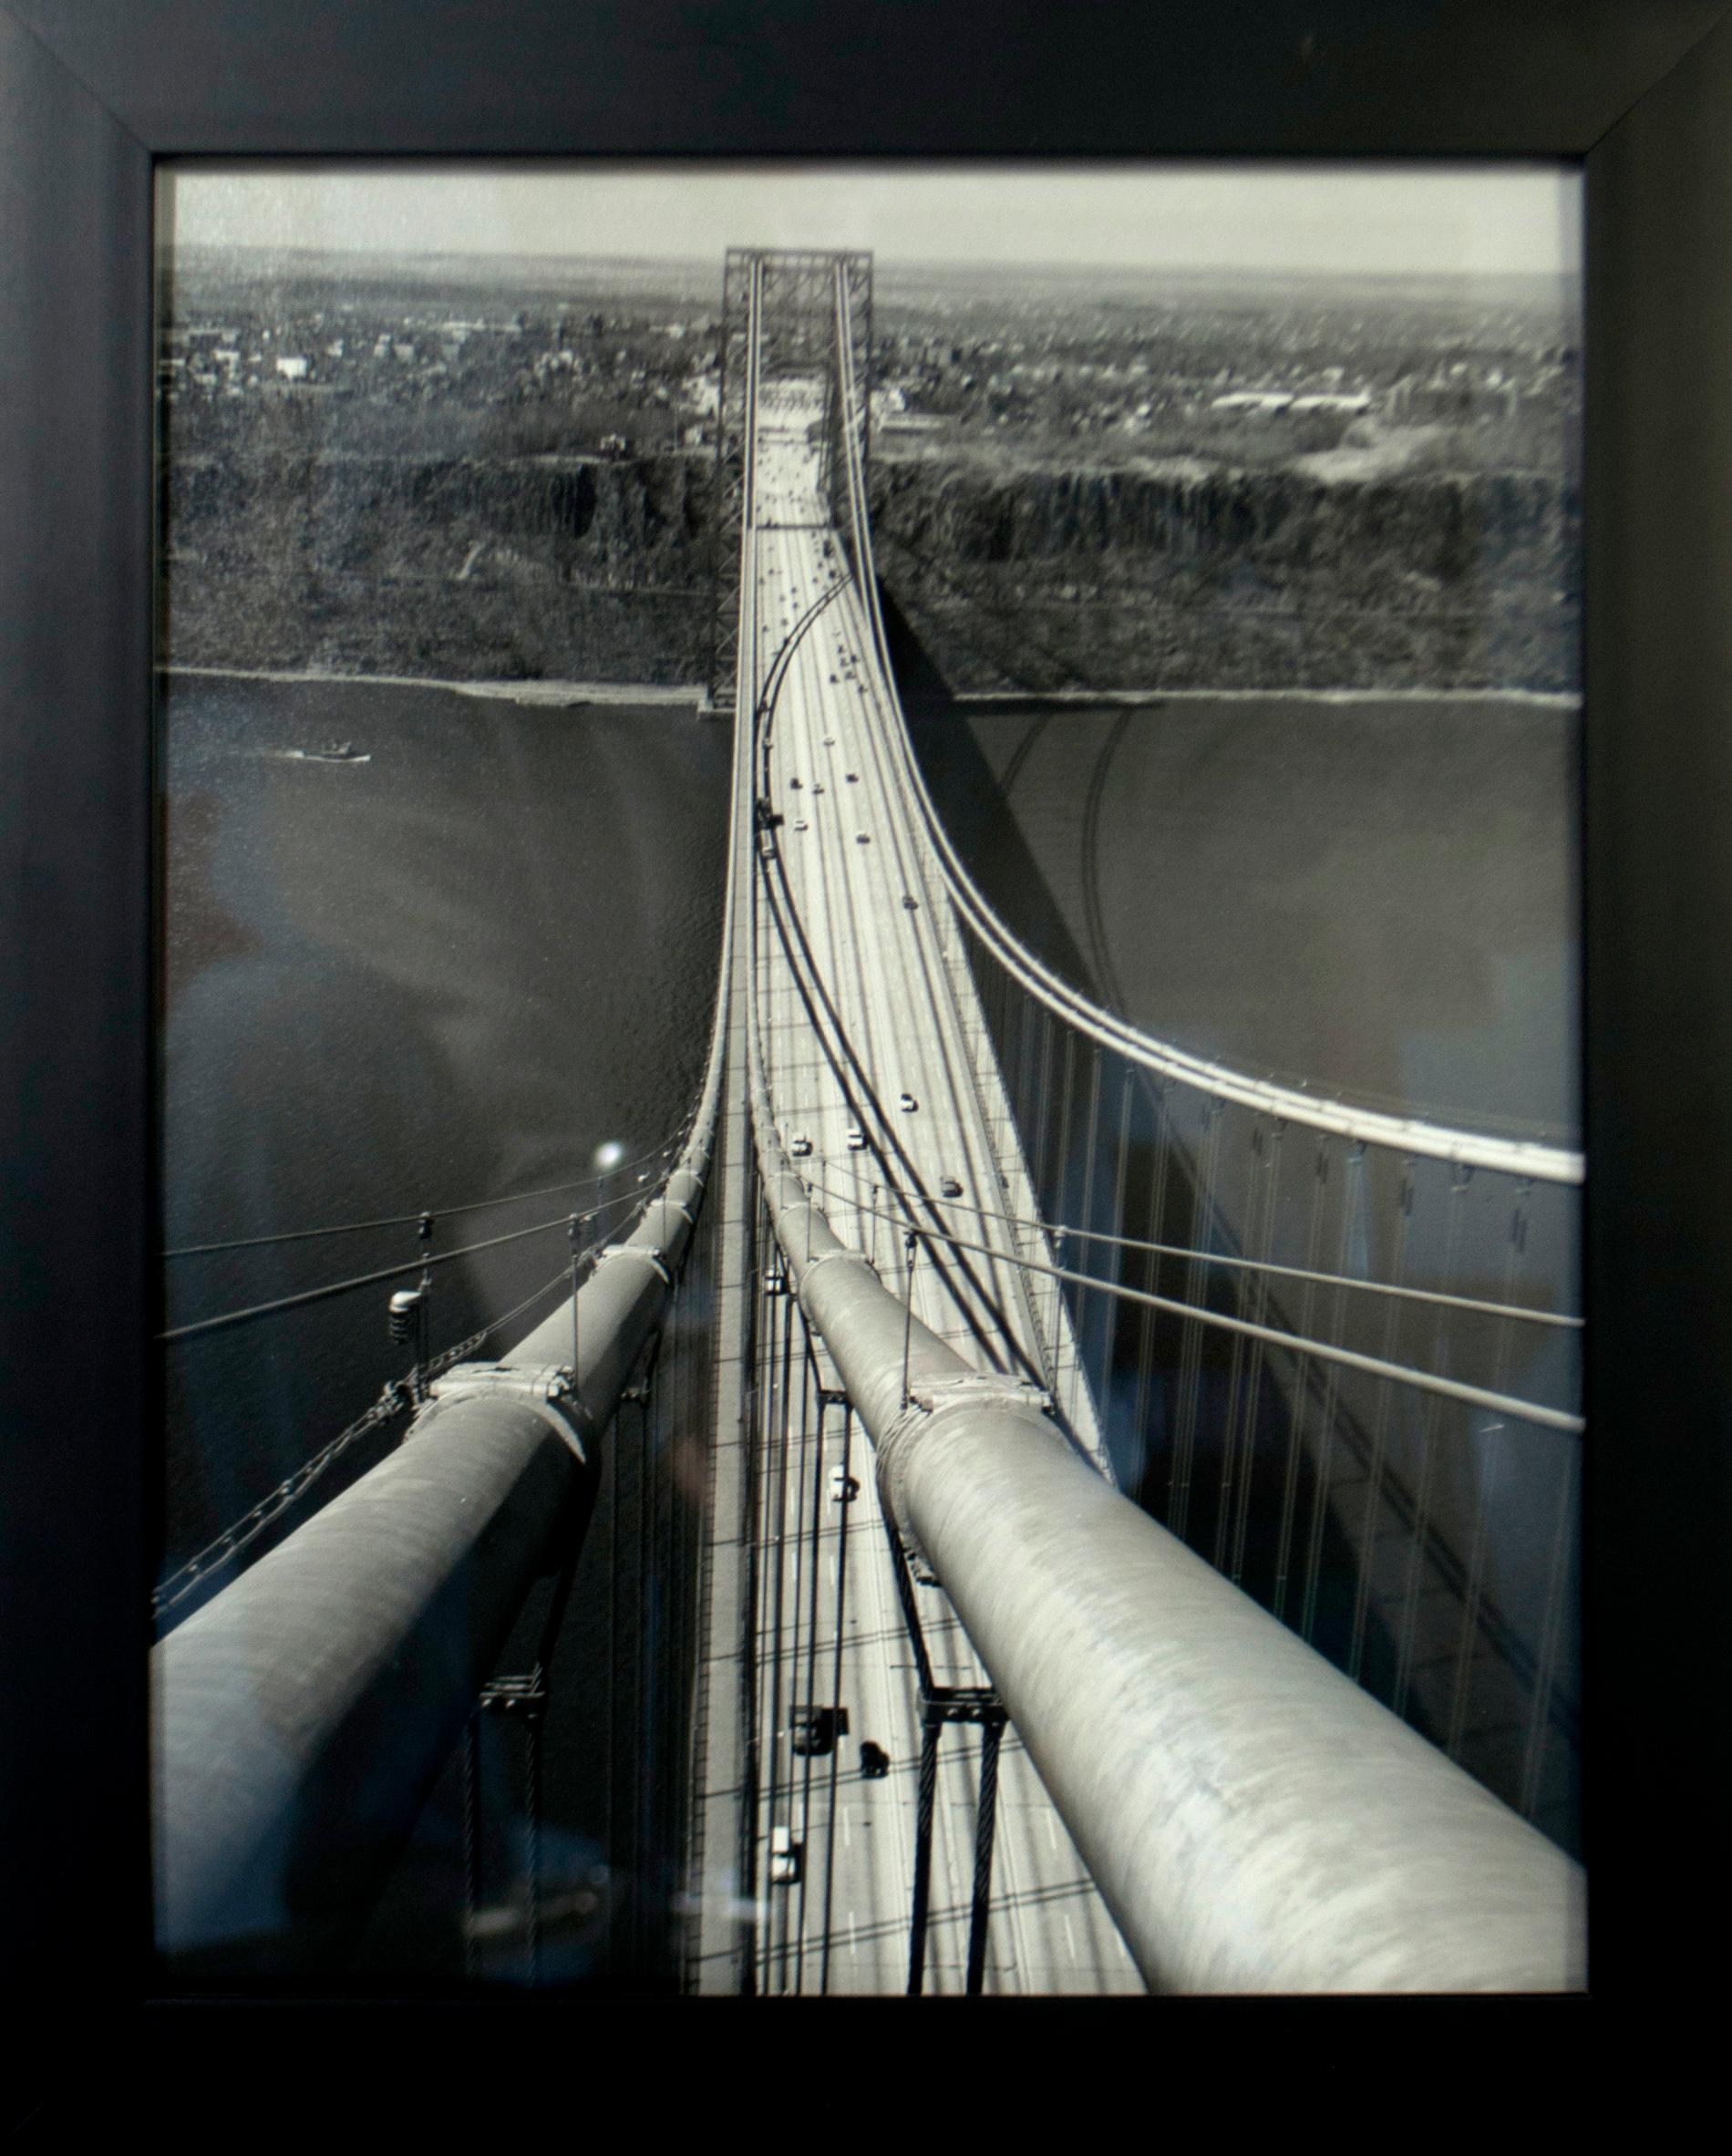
pixel 394 1400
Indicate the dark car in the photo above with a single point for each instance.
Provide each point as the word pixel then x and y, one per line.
pixel 813 1731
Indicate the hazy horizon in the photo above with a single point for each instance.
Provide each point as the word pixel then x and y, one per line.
pixel 1363 220
pixel 709 264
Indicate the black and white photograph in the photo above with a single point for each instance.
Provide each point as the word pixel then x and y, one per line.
pixel 870 1027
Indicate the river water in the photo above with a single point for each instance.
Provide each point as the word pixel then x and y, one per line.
pixel 1374 897
pixel 448 973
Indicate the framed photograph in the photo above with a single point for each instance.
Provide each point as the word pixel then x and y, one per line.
pixel 1110 708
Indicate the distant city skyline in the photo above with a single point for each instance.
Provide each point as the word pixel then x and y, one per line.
pixel 1361 219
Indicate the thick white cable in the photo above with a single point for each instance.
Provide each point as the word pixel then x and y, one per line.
pixel 1404 1134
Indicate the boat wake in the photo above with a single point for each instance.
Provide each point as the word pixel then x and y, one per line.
pixel 334 752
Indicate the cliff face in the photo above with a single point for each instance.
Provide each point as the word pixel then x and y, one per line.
pixel 455 566
pixel 1201 576
pixel 1151 577
pixel 625 509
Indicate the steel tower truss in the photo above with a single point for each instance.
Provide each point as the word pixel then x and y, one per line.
pixel 807 299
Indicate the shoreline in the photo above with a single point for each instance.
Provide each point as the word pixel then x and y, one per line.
pixel 552 694
pixel 567 694
pixel 1550 700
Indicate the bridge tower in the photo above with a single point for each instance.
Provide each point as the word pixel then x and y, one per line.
pixel 796 293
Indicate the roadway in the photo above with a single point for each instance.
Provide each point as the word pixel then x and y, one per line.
pixel 876 1059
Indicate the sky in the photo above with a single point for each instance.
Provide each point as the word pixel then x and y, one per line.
pixel 1361 219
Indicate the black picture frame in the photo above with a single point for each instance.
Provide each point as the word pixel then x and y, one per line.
pixel 93 91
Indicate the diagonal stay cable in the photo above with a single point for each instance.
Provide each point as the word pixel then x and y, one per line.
pixel 413 1264
pixel 1296 1342
pixel 411 1220
pixel 1205 1257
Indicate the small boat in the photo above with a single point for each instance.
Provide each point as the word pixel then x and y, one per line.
pixel 334 752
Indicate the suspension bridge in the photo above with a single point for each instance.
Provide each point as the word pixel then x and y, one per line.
pixel 1084 1519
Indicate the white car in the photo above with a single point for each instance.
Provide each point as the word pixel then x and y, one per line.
pixel 856 1139
pixel 784 1858
pixel 909 1104
pixel 844 1487
pixel 801 1147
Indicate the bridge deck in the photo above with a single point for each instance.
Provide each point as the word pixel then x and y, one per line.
pixel 861 1003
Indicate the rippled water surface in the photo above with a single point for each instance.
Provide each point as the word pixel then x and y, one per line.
pixel 452 970
pixel 1371 897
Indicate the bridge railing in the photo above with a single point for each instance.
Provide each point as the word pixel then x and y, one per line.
pixel 1336 1351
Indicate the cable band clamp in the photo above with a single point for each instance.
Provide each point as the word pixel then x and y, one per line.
pixel 930 1397
pixel 547 1391
pixel 654 1257
pixel 828 1257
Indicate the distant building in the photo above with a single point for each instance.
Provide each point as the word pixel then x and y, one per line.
pixel 1295 401
pixel 292 366
pixel 1452 396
